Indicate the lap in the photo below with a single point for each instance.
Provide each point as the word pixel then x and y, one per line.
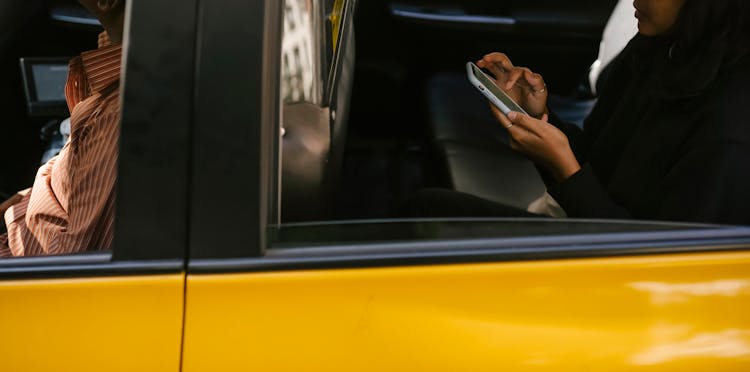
pixel 450 203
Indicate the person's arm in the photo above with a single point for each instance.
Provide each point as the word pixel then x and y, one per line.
pixel 15 199
pixel 4 206
pixel 576 140
pixel 582 195
pixel 4 248
pixel 89 198
pixel 576 185
pixel 709 183
pixel 541 142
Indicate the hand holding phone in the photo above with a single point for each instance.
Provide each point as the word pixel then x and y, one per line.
pixel 489 89
pixel 520 83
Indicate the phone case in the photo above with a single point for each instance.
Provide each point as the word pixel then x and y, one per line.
pixel 487 93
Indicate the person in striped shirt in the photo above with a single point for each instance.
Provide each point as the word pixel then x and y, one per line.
pixel 70 207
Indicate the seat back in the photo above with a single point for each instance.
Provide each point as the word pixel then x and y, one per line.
pixel 621 27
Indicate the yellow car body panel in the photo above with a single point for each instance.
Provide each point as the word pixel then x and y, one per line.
pixel 98 324
pixel 688 312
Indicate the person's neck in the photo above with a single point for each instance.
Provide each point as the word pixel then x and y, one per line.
pixel 114 28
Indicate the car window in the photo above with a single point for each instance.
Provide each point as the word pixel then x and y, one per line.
pixel 292 154
pixel 301 58
pixel 64 111
pixel 412 124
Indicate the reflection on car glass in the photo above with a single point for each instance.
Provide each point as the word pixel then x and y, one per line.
pixel 297 71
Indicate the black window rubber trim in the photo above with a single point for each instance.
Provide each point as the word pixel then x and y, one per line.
pixel 83 266
pixel 480 251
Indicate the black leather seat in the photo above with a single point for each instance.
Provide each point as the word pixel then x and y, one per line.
pixel 474 147
pixel 460 114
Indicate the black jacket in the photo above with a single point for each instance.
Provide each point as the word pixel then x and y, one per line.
pixel 653 153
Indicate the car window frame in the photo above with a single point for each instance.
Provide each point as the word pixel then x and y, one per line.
pixel 150 222
pixel 237 240
pixel 346 31
pixel 236 160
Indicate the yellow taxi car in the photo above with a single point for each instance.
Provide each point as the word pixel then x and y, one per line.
pixel 259 161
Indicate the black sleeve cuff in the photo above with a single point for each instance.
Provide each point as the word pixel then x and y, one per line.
pixel 581 195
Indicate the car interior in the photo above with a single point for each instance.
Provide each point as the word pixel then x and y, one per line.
pixel 37 38
pixel 416 122
pixel 394 113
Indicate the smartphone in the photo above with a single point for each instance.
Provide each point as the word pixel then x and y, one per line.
pixel 487 86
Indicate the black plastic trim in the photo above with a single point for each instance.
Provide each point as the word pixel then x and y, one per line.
pixel 483 250
pixel 234 115
pixel 83 266
pixel 345 32
pixel 154 153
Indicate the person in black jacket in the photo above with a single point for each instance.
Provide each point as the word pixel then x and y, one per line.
pixel 669 138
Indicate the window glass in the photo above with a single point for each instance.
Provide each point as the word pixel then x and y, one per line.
pixel 310 39
pixel 61 127
pixel 299 61
pixel 300 65
pixel 421 142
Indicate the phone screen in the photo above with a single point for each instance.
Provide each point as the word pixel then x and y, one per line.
pixel 494 89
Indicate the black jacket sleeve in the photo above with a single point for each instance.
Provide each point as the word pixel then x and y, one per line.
pixel 582 195
pixel 710 183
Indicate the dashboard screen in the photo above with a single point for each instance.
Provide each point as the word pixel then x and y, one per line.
pixel 49 81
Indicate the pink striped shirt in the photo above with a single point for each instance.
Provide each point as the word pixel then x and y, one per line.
pixel 70 208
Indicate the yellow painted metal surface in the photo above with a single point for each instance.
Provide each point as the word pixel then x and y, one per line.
pixel 658 313
pixel 336 17
pixel 99 324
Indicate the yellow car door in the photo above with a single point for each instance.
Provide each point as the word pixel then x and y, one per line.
pixel 434 295
pixel 120 310
pixel 90 313
pixel 439 302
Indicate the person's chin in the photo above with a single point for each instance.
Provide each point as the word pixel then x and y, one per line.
pixel 644 29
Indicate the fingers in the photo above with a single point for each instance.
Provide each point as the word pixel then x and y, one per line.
pixel 527 123
pixel 533 82
pixel 518 134
pixel 500 116
pixel 536 82
pixel 498 59
pixel 520 126
pixel 499 64
pixel 515 74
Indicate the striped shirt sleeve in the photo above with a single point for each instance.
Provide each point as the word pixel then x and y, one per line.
pixel 70 209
